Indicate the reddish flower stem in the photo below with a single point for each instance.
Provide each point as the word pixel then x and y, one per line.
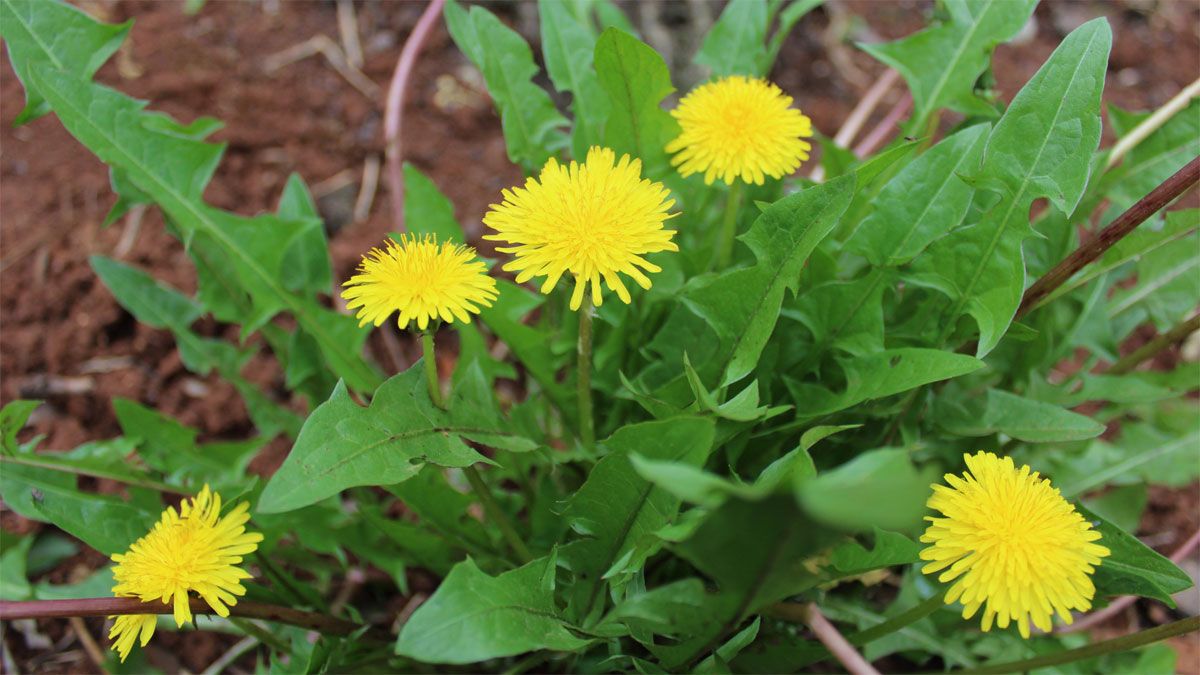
pixel 886 127
pixel 837 645
pixel 52 609
pixel 394 109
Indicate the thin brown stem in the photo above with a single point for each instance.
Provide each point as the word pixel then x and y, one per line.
pixel 394 108
pixel 50 609
pixel 837 645
pixel 1163 341
pixel 1091 250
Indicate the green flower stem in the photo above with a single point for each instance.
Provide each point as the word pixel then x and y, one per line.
pixel 898 622
pixel 587 430
pixel 431 370
pixel 724 252
pixel 494 514
pixel 1119 644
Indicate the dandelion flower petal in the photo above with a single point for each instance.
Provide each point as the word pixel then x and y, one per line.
pixel 192 550
pixel 1012 545
pixel 422 280
pixel 739 128
pixel 593 220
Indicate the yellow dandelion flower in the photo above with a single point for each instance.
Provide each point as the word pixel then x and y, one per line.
pixel 194 549
pixel 1012 542
pixel 595 220
pixel 739 127
pixel 421 279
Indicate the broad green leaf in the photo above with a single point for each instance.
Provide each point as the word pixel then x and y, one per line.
pixel 343 444
pixel 532 126
pixel 1141 454
pixel 718 661
pixel 13 552
pixel 890 549
pixel 1041 147
pixel 998 411
pixel 150 302
pixel 734 45
pixel 13 417
pixel 756 552
pixel 427 210
pixel 1143 240
pixel 1132 568
pixel 742 305
pixel 847 315
pixel 439 506
pixel 674 610
pixel 888 492
pixel 636 80
pixel 1155 158
pixel 927 199
pixel 942 63
pixel 568 46
pixel 105 523
pixel 1168 283
pixel 474 617
pixel 170 447
pixel 98 584
pixel 880 375
pixel 618 511
pixel 251 250
pixel 53 32
pixel 306 265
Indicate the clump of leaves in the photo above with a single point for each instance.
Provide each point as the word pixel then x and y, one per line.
pixel 769 415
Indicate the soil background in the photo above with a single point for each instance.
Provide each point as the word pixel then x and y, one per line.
pixel 65 340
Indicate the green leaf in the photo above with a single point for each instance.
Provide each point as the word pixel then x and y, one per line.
pixel 888 492
pixel 568 46
pixel 1133 568
pixel 343 444
pixel 734 45
pixel 742 305
pixel 250 250
pixel 1168 282
pixel 13 584
pixel 890 549
pixel 1041 147
pixel 927 199
pixel 880 375
pixel 618 511
pixel 756 552
pixel 474 617
pixel 636 80
pixel 847 315
pixel 306 265
pixel 1021 418
pixel 506 318
pixel 13 417
pixel 170 447
pixel 427 210
pixel 152 303
pixel 52 32
pixel 1155 158
pixel 532 126
pixel 106 524
pixel 942 63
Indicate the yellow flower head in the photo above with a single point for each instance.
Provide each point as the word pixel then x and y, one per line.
pixel 739 127
pixel 194 549
pixel 1013 543
pixel 595 220
pixel 421 279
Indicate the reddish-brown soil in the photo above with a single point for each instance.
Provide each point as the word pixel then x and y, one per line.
pixel 64 339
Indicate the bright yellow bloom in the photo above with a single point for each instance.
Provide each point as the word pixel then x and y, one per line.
pixel 739 127
pixel 194 549
pixel 421 279
pixel 1013 543
pixel 594 220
